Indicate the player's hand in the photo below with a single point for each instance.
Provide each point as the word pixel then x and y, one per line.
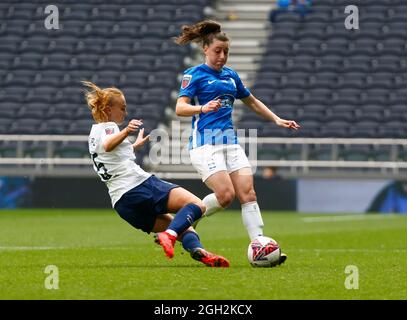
pixel 141 140
pixel 213 105
pixel 133 125
pixel 291 124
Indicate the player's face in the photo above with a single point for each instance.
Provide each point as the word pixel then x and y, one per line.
pixel 117 111
pixel 217 54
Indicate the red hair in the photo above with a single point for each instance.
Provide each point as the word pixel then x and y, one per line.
pixel 98 99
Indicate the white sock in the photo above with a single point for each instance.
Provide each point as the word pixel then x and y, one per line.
pixel 251 217
pixel 172 232
pixel 212 205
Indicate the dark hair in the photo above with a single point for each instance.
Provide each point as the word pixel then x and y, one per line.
pixel 205 32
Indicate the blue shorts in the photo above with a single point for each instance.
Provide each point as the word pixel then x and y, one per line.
pixel 141 205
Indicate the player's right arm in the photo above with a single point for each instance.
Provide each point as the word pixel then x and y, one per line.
pixel 190 85
pixel 112 141
pixel 184 108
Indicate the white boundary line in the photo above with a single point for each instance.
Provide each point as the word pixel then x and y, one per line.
pixel 39 248
pixel 348 218
pixel 360 250
pixel 316 250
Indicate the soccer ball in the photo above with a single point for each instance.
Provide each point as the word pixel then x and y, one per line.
pixel 263 252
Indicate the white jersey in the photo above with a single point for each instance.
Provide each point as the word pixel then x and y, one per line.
pixel 116 168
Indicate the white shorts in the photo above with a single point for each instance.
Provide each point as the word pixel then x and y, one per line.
pixel 209 159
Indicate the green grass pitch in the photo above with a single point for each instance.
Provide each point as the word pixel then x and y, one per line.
pixel 100 256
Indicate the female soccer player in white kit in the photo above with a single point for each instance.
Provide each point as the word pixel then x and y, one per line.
pixel 214 149
pixel 140 198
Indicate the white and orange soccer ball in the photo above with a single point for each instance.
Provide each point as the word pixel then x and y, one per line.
pixel 263 252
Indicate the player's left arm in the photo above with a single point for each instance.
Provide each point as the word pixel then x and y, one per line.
pixel 114 138
pixel 261 109
pixel 141 140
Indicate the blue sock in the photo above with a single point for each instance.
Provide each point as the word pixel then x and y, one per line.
pixel 185 218
pixel 190 241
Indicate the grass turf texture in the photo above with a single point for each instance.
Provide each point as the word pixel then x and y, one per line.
pixel 99 256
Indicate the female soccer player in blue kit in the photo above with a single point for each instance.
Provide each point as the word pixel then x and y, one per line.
pixel 140 198
pixel 213 147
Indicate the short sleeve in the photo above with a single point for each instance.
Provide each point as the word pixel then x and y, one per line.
pixel 189 85
pixel 242 91
pixel 108 129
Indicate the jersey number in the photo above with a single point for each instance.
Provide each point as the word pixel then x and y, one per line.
pixel 101 169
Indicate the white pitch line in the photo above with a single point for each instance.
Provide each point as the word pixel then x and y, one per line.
pixel 361 250
pixel 17 248
pixel 38 248
pixel 21 248
pixel 347 218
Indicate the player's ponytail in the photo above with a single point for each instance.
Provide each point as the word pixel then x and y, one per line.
pixel 98 99
pixel 205 32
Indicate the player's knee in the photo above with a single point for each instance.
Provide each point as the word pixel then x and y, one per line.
pixel 200 204
pixel 248 196
pixel 225 198
pixel 251 195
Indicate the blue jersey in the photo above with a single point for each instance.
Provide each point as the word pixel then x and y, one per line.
pixel 203 84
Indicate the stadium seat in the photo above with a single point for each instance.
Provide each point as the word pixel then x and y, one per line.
pixel 60 111
pixel 47 78
pixel 392 132
pixel 5 124
pixel 9 45
pixel 340 112
pixel 8 149
pixel 380 80
pixel 305 114
pixel 318 16
pixel 364 129
pixel 55 126
pixel 33 111
pixel 381 156
pixel 367 16
pixel 327 131
pixel 25 126
pixel 71 150
pixel 372 112
pixel 18 78
pixel 402 153
pixel 104 12
pixel 9 111
pixel 354 153
pixel 323 80
pixel 320 152
pixel 36 149
pixel 309 128
pixel 376 95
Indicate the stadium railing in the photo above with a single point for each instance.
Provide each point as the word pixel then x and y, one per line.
pixel 393 152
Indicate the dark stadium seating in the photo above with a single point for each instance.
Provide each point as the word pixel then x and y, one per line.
pixel 7 148
pixel 352 83
pixel 320 152
pixel 126 44
pixel 35 149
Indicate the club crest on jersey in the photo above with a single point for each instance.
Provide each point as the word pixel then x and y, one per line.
pixel 226 100
pixel 186 80
pixel 109 130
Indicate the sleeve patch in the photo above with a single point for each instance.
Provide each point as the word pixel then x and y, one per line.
pixel 186 80
pixel 109 130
